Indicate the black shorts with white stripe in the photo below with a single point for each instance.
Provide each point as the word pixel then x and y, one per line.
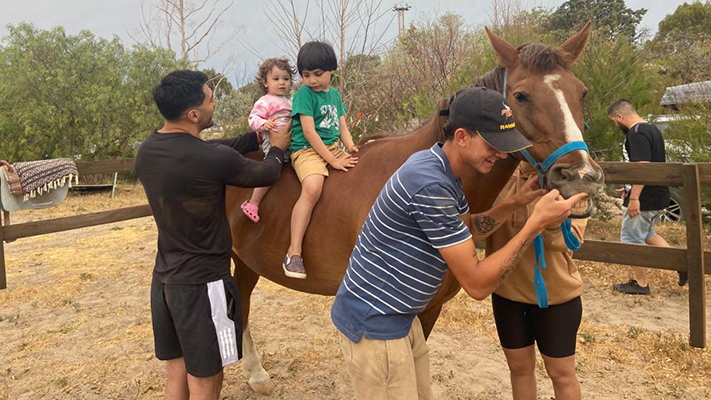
pixel 202 323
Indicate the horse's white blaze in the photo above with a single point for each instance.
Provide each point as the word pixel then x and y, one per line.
pixel 572 132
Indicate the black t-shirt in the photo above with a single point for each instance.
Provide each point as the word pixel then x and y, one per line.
pixel 644 142
pixel 184 178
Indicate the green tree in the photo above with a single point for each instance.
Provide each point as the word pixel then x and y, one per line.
pixel 219 83
pixel 613 71
pixel 75 96
pixel 682 45
pixel 234 107
pixel 611 17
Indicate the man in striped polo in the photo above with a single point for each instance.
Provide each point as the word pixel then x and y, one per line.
pixel 419 226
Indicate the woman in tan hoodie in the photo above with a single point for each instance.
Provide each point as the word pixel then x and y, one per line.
pixel 520 322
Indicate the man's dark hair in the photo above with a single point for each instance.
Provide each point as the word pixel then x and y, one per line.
pixel 316 55
pixel 178 91
pixel 449 128
pixel 621 106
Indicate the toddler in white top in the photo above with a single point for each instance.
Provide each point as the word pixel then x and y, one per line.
pixel 270 113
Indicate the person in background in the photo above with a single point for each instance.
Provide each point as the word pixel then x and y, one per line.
pixel 642 204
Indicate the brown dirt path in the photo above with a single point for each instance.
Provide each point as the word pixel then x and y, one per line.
pixel 75 325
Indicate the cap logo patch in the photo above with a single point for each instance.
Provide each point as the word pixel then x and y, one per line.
pixel 507 126
pixel 506 112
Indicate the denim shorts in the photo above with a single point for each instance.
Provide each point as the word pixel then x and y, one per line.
pixel 636 230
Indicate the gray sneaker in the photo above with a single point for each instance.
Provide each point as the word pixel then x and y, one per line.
pixel 294 267
pixel 631 287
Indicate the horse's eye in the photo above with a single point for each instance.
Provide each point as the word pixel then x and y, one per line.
pixel 520 97
pixel 585 93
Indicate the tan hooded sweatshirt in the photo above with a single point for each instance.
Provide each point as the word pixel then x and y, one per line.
pixel 561 276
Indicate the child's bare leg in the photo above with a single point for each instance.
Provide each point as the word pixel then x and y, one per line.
pixel 301 215
pixel 258 194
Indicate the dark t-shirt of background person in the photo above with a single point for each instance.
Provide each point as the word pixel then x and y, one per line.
pixel 184 178
pixel 644 142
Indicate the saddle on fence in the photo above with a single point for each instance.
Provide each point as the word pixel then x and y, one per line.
pixel 36 184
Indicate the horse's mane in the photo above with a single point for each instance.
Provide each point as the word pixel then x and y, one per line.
pixel 535 57
pixel 540 58
pixel 493 79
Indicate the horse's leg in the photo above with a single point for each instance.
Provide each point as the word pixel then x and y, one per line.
pixel 428 316
pixel 252 369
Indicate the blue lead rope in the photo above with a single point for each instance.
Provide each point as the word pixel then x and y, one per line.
pixel 571 241
pixel 540 286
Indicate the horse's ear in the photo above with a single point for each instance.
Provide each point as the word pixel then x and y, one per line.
pixel 505 52
pixel 574 46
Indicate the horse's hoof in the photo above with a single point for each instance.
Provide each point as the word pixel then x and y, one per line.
pixel 264 387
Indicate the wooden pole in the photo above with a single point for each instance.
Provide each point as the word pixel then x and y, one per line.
pixel 695 257
pixel 3 276
pixel 113 187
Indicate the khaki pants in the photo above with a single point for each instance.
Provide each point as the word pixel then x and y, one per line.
pixel 397 369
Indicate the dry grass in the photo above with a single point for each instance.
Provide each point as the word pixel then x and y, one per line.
pixel 73 279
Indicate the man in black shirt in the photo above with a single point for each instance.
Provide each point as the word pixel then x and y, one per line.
pixel 642 204
pixel 194 300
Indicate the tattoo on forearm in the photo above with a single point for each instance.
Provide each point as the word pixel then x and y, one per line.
pixel 509 264
pixel 483 224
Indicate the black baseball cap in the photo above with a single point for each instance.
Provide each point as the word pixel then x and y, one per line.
pixel 485 111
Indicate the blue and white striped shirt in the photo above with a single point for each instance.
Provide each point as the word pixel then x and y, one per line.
pixel 396 267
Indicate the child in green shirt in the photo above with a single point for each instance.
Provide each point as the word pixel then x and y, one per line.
pixel 319 120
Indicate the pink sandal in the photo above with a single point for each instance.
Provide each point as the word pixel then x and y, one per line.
pixel 251 210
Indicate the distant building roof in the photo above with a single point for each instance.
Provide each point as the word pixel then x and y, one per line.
pixel 689 93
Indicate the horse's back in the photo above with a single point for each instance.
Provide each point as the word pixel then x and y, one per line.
pixel 345 201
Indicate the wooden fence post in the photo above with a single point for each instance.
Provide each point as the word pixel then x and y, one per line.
pixel 3 276
pixel 695 256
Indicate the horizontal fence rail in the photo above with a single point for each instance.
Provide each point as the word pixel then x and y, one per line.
pixel 105 166
pixel 692 259
pixel 35 228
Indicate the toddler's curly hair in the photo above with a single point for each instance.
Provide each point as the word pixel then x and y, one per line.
pixel 266 67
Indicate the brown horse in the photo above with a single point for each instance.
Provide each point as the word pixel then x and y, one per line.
pixel 545 98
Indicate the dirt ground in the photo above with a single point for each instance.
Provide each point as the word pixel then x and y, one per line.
pixel 75 324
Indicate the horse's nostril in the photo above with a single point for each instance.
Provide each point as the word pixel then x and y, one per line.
pixel 565 174
pixel 562 173
pixel 591 177
pixel 568 174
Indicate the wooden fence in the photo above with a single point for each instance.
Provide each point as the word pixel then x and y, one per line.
pixel 692 259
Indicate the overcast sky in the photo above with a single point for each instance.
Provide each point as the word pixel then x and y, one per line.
pixel 107 18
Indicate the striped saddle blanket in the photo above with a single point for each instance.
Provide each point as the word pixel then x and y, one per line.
pixel 35 178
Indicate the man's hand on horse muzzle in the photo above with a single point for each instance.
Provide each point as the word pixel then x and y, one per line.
pixel 529 192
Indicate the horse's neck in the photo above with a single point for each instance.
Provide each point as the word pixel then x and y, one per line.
pixel 399 148
pixel 423 137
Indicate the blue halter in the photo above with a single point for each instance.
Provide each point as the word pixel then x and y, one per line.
pixel 571 241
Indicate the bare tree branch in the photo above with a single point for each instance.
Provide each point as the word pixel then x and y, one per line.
pixel 193 26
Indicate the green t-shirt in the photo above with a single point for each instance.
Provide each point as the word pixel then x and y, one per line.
pixel 325 107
